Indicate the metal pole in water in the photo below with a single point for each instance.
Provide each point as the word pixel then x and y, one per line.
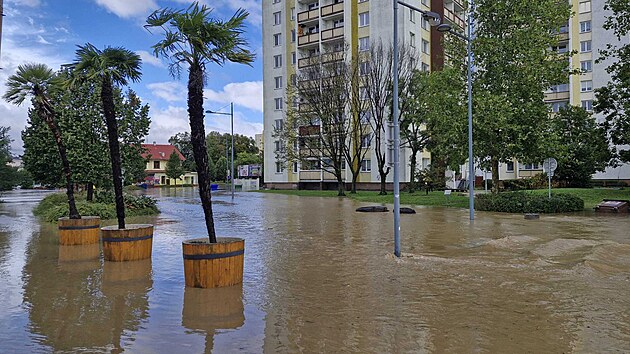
pixel 232 168
pixel 396 138
pixel 471 164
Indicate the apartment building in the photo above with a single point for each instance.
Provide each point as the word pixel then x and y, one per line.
pixel 584 34
pixel 294 31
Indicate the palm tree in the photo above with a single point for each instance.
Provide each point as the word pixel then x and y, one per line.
pixel 36 80
pixel 111 67
pixel 195 39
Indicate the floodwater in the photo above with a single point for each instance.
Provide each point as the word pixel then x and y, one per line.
pixel 320 277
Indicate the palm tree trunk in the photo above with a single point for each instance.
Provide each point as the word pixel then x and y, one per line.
pixel 107 97
pixel 198 140
pixel 72 207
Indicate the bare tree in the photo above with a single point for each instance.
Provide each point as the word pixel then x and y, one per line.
pixel 377 90
pixel 317 131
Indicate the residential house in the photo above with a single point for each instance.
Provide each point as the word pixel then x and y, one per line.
pixel 157 156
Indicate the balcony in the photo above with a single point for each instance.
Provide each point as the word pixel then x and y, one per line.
pixel 307 39
pixel 557 96
pixel 308 130
pixel 316 175
pixel 332 33
pixel 453 18
pixel 309 15
pixel 316 59
pixel 333 9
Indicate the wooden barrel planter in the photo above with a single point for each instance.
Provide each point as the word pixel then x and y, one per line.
pixel 213 265
pixel 130 244
pixel 82 231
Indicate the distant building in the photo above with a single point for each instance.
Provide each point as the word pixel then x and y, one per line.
pixel 259 139
pixel 158 156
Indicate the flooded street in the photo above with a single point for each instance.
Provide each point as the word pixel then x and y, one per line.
pixel 320 277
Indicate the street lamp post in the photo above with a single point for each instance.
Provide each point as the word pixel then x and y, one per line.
pixel 471 165
pixel 231 114
pixel 434 20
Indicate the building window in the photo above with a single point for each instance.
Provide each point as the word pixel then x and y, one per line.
pixel 277 39
pixel 277 18
pixel 293 58
pixel 412 15
pixel 293 79
pixel 365 117
pixel 279 167
pixel 584 6
pixel 313 6
pixel 278 125
pixel 559 88
pixel 585 26
pixel 585 46
pixel 292 36
pixel 277 61
pixel 366 165
pixel 412 39
pixel 510 166
pixel 276 1
pixel 156 165
pixel 293 14
pixel 586 66
pixel 424 23
pixel 530 166
pixel 556 106
pixel 426 48
pixel 295 167
pixel 360 1
pixel 425 67
pixel 364 19
pixel 562 48
pixel 278 102
pixel 278 80
pixel 587 105
pixel 586 86
pixel 364 68
pixel 366 141
pixel 364 44
pixel 338 23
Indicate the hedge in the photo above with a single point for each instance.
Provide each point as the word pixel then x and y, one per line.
pixel 521 202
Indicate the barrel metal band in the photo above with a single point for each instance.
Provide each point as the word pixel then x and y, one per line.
pixel 78 227
pixel 214 255
pixel 128 239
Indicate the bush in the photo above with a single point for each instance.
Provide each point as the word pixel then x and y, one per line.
pixel 55 206
pixel 521 202
pixel 538 181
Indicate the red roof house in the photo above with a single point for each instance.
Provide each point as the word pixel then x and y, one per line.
pixel 160 152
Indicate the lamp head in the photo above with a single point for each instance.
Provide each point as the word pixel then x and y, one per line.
pixel 433 18
pixel 445 27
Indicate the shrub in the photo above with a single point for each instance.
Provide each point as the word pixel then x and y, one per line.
pixel 55 206
pixel 538 181
pixel 521 202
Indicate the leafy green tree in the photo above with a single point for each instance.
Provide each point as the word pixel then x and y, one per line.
pixel 613 100
pixel 182 142
pixel 435 120
pixel 35 80
pixel 174 168
pixel 221 169
pixel 8 174
pixel 195 39
pixel 212 169
pixel 584 146
pixel 111 67
pixel 514 66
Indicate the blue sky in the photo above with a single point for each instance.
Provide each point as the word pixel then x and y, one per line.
pixel 48 31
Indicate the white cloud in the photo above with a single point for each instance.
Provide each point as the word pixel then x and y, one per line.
pixel 247 94
pixel 254 7
pixel 41 40
pixel 168 122
pixel 150 59
pixel 29 3
pixel 169 91
pixel 126 8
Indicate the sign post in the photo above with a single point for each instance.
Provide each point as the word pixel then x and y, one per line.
pixel 549 166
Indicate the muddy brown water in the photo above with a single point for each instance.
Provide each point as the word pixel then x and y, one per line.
pixel 320 277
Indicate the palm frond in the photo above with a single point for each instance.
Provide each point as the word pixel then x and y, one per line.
pixel 29 80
